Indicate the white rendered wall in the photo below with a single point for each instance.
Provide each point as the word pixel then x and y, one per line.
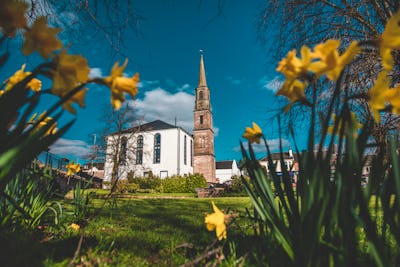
pixel 172 145
pixel 225 175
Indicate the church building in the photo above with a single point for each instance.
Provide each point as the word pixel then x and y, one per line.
pixel 164 150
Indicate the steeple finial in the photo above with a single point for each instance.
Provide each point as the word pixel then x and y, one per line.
pixel 202 76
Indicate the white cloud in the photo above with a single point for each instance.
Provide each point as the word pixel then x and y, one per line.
pixel 216 131
pixel 145 83
pixel 159 104
pixel 274 85
pixel 272 143
pixel 183 87
pixel 73 148
pixel 95 73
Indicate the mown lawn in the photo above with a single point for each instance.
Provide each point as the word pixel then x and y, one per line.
pixel 128 232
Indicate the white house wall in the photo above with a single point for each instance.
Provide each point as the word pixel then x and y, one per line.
pixel 225 175
pixel 172 145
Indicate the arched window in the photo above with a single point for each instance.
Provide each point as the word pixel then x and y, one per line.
pixel 122 155
pixel 157 148
pixel 201 95
pixel 184 151
pixel 139 150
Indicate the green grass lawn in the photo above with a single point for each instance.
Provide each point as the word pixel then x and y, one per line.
pixel 129 232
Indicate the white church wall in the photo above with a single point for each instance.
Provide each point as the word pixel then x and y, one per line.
pixel 172 145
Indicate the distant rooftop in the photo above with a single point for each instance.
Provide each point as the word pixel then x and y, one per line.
pixel 226 164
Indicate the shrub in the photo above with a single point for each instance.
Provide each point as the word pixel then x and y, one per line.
pixel 153 183
pixel 186 184
pixel 236 187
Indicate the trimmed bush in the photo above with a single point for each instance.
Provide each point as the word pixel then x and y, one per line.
pixel 186 184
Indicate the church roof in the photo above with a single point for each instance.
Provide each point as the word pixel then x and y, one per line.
pixel 225 164
pixel 151 126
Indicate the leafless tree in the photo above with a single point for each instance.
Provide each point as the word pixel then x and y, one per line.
pixel 114 144
pixel 85 21
pixel 293 23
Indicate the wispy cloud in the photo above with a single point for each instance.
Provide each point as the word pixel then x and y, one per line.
pixel 183 87
pixel 95 73
pixel 148 84
pixel 70 148
pixel 159 104
pixel 234 81
pixel 216 131
pixel 272 143
pixel 271 84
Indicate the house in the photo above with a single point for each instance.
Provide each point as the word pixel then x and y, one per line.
pixel 225 170
pixel 155 148
pixel 94 169
pixel 290 160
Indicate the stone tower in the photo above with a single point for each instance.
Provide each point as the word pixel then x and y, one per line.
pixel 203 132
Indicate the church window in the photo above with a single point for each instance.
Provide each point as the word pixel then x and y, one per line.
pixel 184 151
pixel 201 119
pixel 157 148
pixel 122 155
pixel 139 150
pixel 201 95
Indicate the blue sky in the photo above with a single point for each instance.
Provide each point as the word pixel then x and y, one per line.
pixel 165 51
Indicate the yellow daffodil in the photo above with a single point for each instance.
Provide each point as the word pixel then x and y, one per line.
pixel 390 39
pixel 216 221
pixel 293 90
pixel 330 63
pixel 12 16
pixel 292 66
pixel 120 85
pixel 71 71
pixel 75 226
pixel 19 75
pixel 123 85
pixel 393 95
pixel 78 98
pixel 378 94
pixel 73 168
pixel 41 38
pixel 253 134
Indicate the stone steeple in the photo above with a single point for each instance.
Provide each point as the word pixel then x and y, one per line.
pixel 203 133
pixel 202 75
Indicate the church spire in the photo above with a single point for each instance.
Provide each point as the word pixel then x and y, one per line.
pixel 202 76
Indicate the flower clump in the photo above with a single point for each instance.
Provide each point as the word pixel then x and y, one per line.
pixel 325 59
pixel 69 73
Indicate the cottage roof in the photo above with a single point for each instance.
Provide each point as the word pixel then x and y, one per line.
pixel 225 164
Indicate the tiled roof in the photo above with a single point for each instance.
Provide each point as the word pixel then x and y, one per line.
pixel 226 164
